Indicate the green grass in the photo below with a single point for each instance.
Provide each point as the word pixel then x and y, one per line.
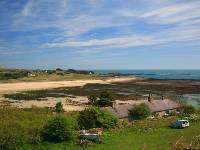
pixel 54 77
pixel 21 75
pixel 25 125
pixel 22 126
pixel 149 134
pixel 162 138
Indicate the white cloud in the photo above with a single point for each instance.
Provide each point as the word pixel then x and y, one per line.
pixel 122 41
pixel 73 21
pixel 27 10
pixel 176 13
pixel 172 35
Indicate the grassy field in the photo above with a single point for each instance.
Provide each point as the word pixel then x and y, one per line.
pixel 159 136
pixel 20 75
pixel 151 134
pixel 53 77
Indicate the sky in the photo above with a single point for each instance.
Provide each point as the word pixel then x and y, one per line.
pixel 100 34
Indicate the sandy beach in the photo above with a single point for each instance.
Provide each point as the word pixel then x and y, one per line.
pixel 76 103
pixel 24 86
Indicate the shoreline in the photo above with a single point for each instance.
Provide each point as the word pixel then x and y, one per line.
pixel 123 88
pixel 25 86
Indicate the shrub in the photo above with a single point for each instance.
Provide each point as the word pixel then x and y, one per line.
pixel 105 99
pixel 188 110
pixel 140 111
pixel 59 108
pixel 92 99
pixel 104 102
pixel 106 94
pixel 172 113
pixel 94 117
pixel 57 130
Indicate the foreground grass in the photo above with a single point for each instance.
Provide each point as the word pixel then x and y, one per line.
pixel 148 135
pixel 163 138
pixel 21 128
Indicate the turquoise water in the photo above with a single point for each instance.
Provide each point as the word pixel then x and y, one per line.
pixel 157 74
pixel 191 99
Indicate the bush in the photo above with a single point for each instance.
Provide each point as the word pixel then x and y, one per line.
pixel 57 130
pixel 188 110
pixel 105 99
pixel 172 113
pixel 104 102
pixel 140 111
pixel 13 75
pixel 106 94
pixel 92 99
pixel 59 107
pixel 94 117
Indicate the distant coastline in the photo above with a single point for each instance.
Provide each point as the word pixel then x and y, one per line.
pixel 155 74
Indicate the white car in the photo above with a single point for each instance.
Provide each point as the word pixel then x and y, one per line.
pixel 180 124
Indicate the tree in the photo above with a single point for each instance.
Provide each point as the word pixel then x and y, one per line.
pixel 59 107
pixel 58 69
pixel 93 99
pixel 57 130
pixel 94 117
pixel 105 99
pixel 140 111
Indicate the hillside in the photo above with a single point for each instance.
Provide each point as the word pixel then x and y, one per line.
pixel 22 75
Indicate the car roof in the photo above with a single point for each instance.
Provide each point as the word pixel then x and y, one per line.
pixel 182 120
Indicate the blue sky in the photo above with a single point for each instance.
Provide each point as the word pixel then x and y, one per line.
pixel 100 34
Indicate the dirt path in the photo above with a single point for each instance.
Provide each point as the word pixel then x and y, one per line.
pixel 23 86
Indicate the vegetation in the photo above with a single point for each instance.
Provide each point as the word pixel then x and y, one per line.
pixel 140 111
pixel 17 75
pixel 14 74
pixel 144 134
pixel 105 99
pixel 57 130
pixel 59 107
pixel 93 99
pixel 94 117
pixel 188 110
pixel 21 129
pixel 23 126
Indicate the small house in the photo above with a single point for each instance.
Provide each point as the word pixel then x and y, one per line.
pixel 158 108
pixel 31 75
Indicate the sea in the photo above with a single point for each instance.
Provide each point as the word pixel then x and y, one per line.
pixel 156 74
pixel 191 99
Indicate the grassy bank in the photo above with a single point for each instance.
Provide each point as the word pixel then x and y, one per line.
pixel 21 75
pixel 53 77
pixel 22 128
pixel 143 135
